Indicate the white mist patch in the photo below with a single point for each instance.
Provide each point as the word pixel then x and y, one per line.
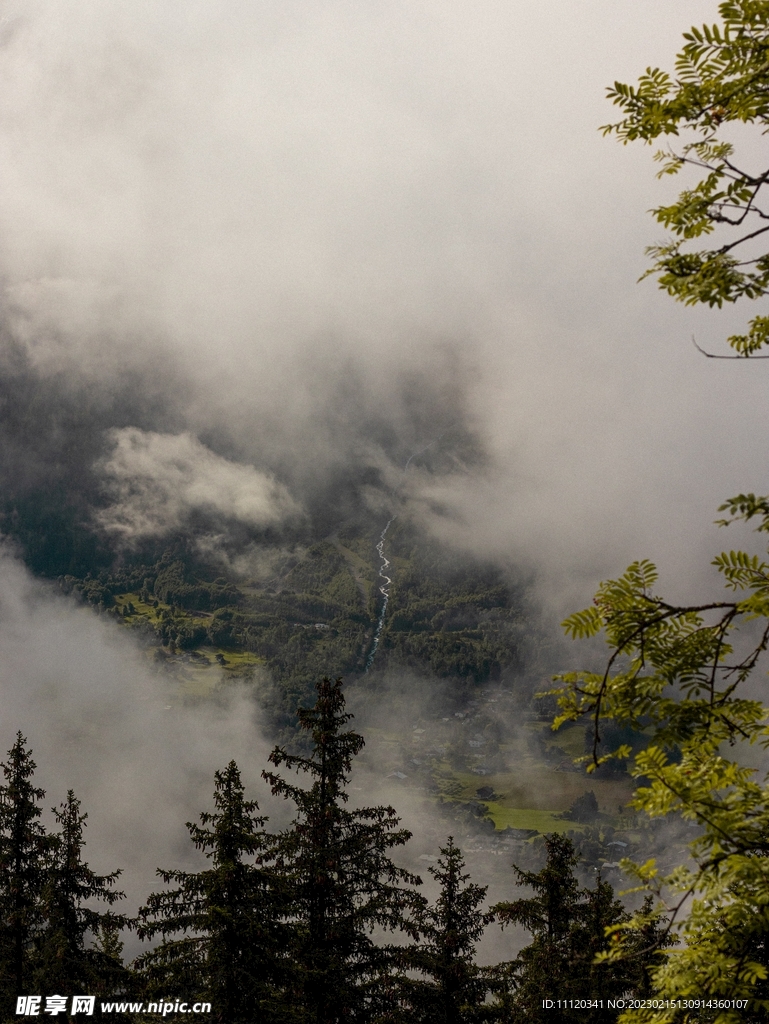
pixel 101 721
pixel 158 480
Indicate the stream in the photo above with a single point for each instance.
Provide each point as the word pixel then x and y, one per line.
pixel 384 589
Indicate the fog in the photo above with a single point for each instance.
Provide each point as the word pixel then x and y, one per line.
pixel 302 211
pixel 155 481
pixel 259 253
pixel 102 720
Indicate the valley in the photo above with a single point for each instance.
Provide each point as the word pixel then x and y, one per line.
pixel 479 747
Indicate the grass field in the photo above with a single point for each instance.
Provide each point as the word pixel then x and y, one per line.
pixel 544 789
pixel 517 817
pixel 570 738
pixel 201 669
pixel 531 799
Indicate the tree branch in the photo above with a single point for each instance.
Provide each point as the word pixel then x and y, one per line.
pixel 712 355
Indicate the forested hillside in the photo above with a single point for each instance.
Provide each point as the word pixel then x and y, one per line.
pixel 449 617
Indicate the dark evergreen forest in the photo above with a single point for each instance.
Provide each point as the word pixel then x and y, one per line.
pixel 314 923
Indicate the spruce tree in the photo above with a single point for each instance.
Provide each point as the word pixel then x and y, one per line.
pixel 640 946
pixel 569 928
pixel 219 926
pixel 453 988
pixel 548 916
pixel 114 978
pixel 341 881
pixel 24 847
pixel 66 961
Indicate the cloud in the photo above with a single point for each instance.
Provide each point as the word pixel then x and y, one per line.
pixel 157 481
pixel 298 210
pixel 300 205
pixel 139 752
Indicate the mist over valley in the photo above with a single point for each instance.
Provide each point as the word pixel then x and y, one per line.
pixel 322 356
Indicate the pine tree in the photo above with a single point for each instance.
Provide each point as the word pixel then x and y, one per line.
pixel 454 988
pixel 640 945
pixel 341 880
pixel 592 977
pixel 114 977
pixel 548 916
pixel 64 962
pixel 24 847
pixel 569 928
pixel 225 916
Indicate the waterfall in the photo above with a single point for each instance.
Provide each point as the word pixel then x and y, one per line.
pixel 384 590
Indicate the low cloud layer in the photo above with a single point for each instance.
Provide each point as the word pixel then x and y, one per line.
pixel 157 481
pixel 332 230
pixel 101 721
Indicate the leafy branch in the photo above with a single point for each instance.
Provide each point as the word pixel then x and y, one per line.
pixel 673 675
pixel 721 77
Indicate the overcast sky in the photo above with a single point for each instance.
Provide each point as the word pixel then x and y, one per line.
pixel 276 197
